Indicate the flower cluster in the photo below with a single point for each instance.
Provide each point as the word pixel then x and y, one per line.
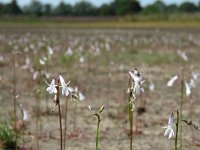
pixel 169 130
pixel 66 90
pixel 135 85
pixel 53 89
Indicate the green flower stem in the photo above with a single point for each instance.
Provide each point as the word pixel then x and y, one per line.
pixel 131 126
pixel 181 106
pixel 130 117
pixel 14 90
pixel 65 128
pixel 176 138
pixel 97 132
pixel 58 103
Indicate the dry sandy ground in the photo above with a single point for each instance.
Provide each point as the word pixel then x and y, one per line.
pixel 103 79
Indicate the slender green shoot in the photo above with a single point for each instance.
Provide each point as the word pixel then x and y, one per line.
pixel 177 128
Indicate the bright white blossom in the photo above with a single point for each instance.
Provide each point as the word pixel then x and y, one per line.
pixel 50 50
pixel 25 115
pixel 195 75
pixel 171 81
pixel 187 88
pixel 169 130
pixel 80 95
pixel 52 87
pixel 151 86
pixel 192 83
pixel 137 81
pixel 182 55
pixel 65 89
pixel 42 61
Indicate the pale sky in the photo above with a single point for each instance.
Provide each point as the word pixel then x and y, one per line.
pixel 96 2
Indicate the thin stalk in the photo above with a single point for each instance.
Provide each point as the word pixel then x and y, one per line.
pixel 130 117
pixel 59 109
pixel 75 115
pixel 60 126
pixel 65 128
pixel 37 131
pixel 181 107
pixel 97 132
pixel 14 91
pixel 176 138
pixel 131 126
pixel 14 94
pixel 47 104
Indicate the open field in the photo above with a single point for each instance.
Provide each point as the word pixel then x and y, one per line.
pixel 98 61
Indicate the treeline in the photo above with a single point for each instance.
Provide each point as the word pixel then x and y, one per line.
pixel 84 8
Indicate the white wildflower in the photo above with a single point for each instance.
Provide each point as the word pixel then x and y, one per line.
pixel 171 81
pixel 65 89
pixel 182 55
pixel 169 130
pixel 52 87
pixel 187 88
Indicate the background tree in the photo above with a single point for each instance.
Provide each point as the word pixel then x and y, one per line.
pixel 35 8
pixel 47 9
pixel 84 8
pixel 63 9
pixel 106 10
pixel 124 7
pixel 155 8
pixel 188 7
pixel 12 8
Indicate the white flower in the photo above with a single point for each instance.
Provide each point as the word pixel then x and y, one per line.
pixel 50 50
pixel 69 51
pixel 195 75
pixel 187 88
pixel 192 83
pixel 151 86
pixel 169 130
pixel 36 74
pixel 182 55
pixel 137 78
pixel 90 108
pixel 80 95
pixel 65 89
pixel 171 81
pixel 25 115
pixel 42 61
pixel 52 87
pixel 81 59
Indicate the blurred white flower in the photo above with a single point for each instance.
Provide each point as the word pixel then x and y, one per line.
pixel 50 50
pixel 81 59
pixel 172 80
pixel 137 81
pixel 65 89
pixel 187 88
pixel 182 55
pixel 25 115
pixel 80 95
pixel 69 51
pixel 1 58
pixel 195 75
pixel 90 108
pixel 42 61
pixel 169 130
pixel 152 86
pixel 35 75
pixel 192 83
pixel 52 87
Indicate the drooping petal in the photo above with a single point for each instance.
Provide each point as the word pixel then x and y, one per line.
pixel 187 88
pixel 182 55
pixel 167 131
pixel 171 81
